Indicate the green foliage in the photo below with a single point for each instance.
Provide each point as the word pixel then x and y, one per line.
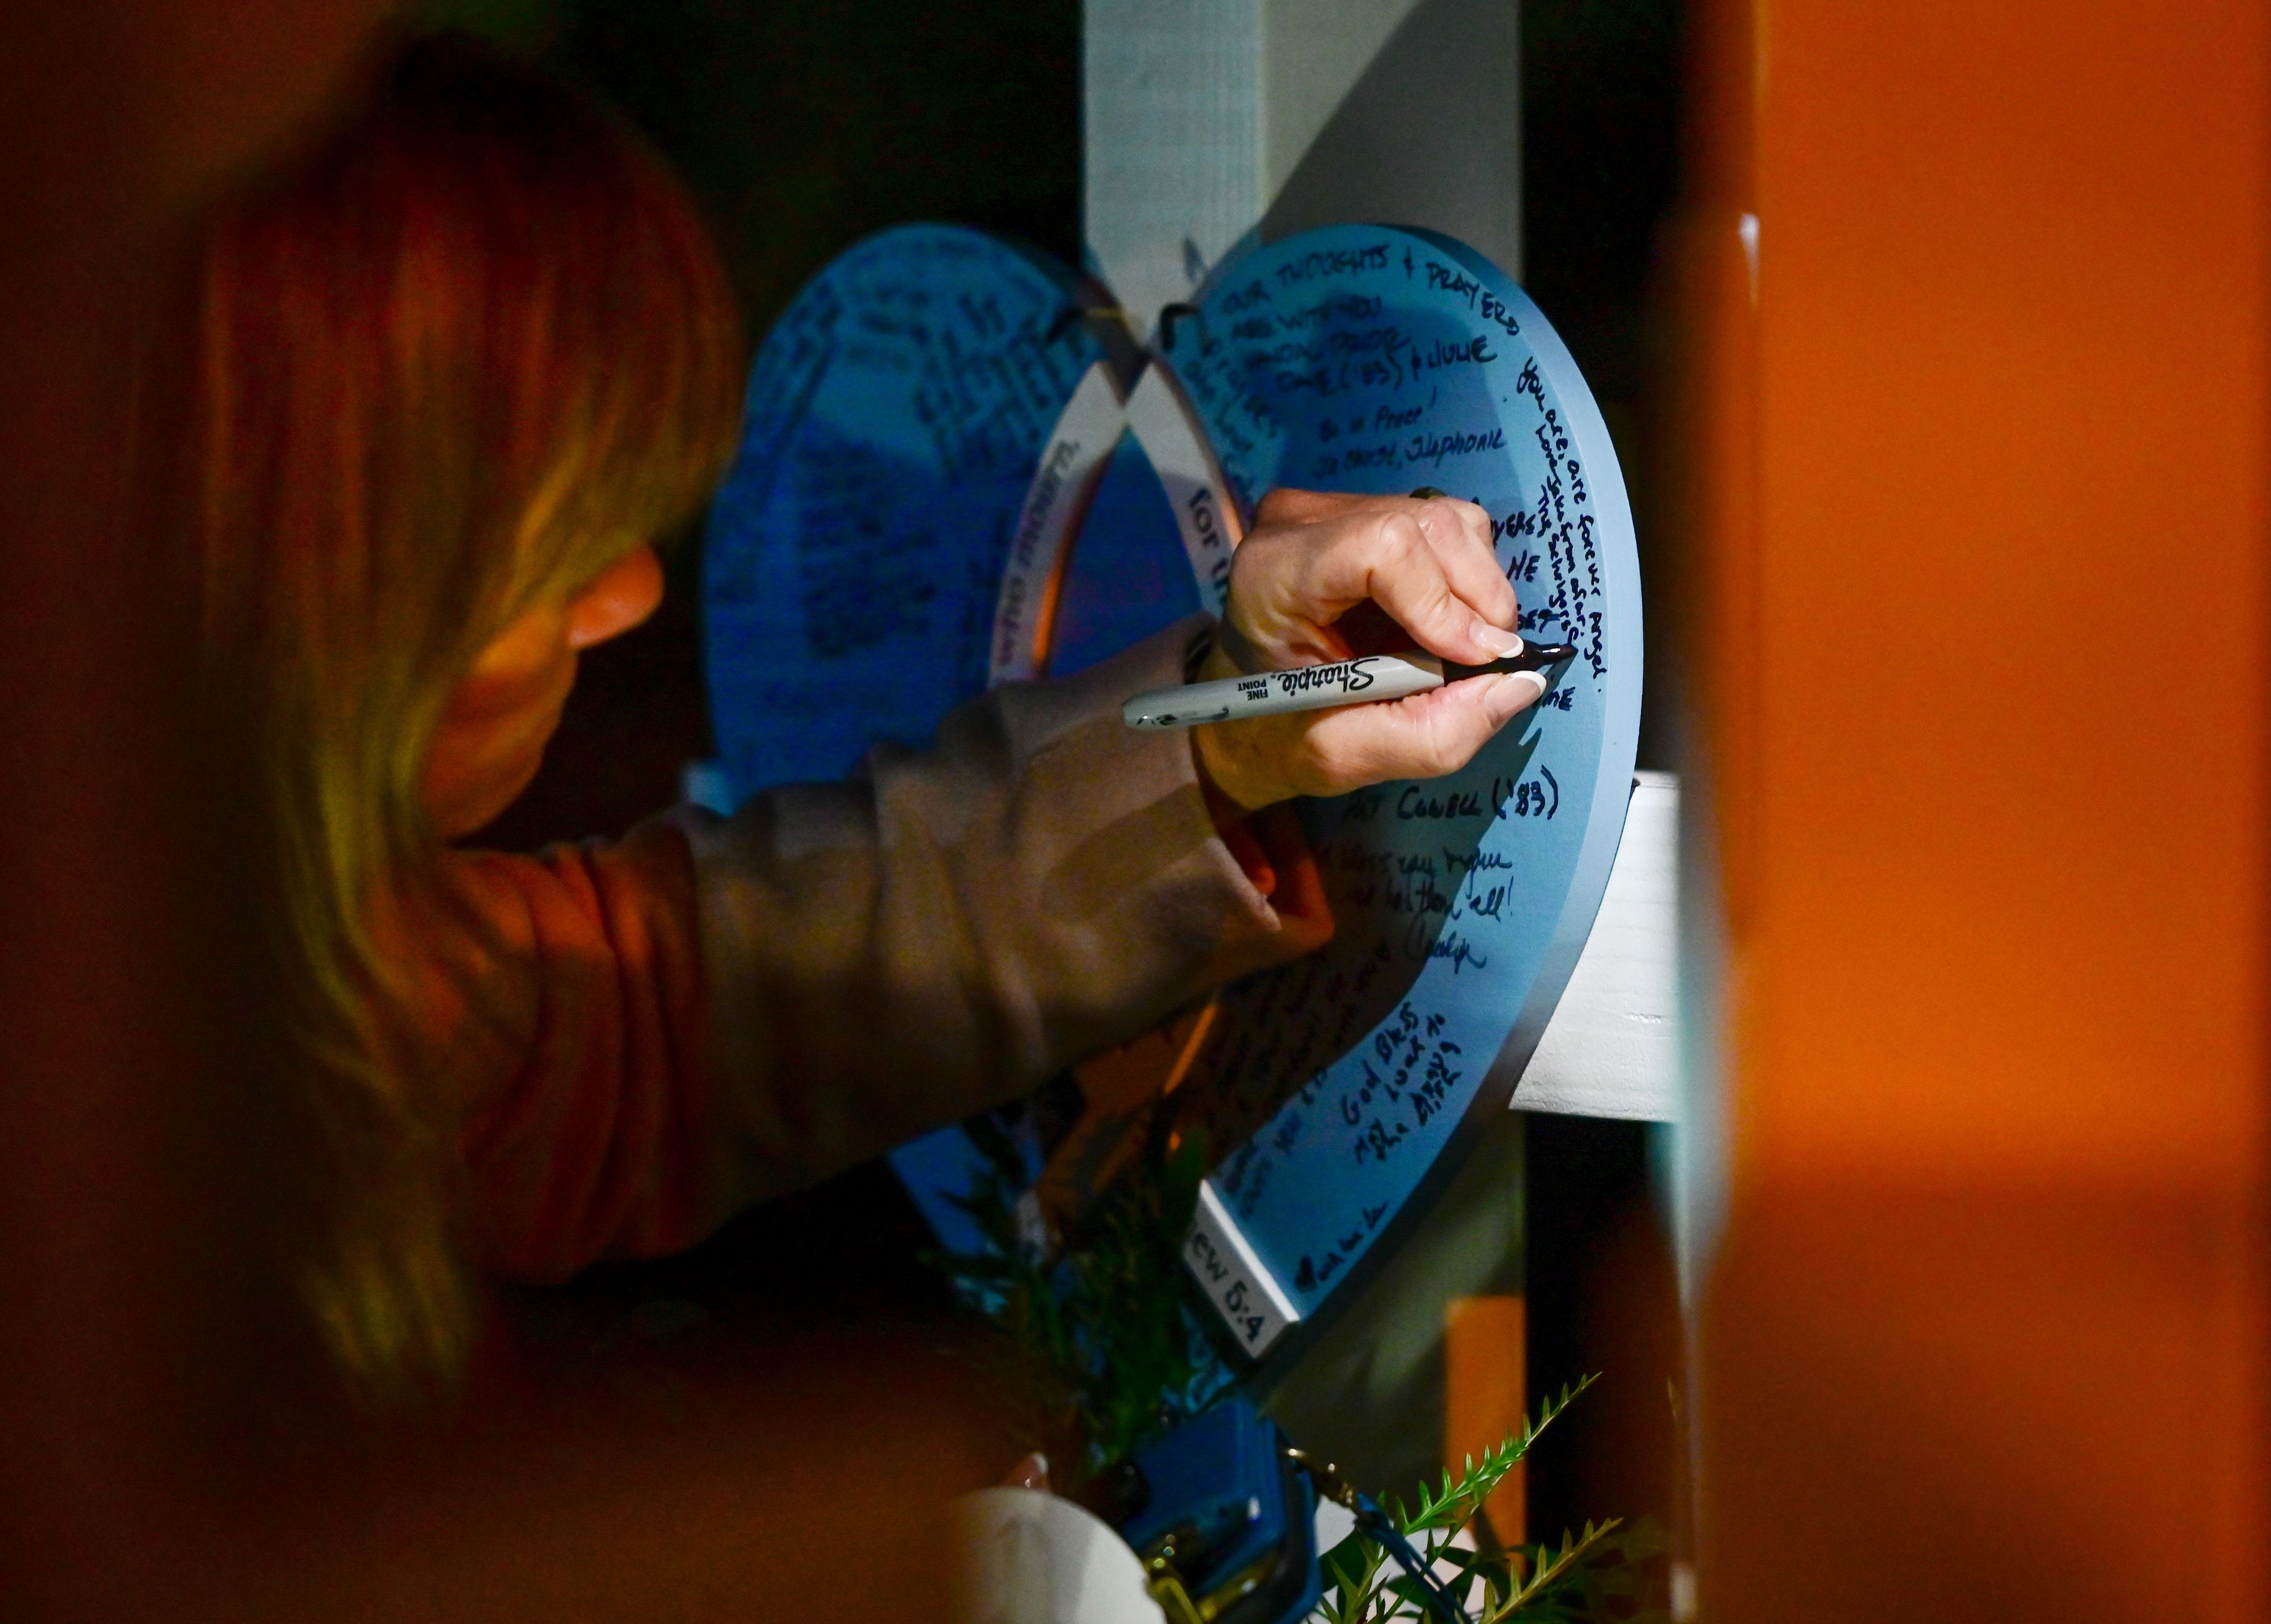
pixel 1593 1577
pixel 1104 1357
pixel 1454 1506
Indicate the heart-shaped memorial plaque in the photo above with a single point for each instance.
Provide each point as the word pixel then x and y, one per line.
pixel 936 431
pixel 1373 359
pixel 854 558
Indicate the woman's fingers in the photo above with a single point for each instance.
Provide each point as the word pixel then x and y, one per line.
pixel 1460 534
pixel 1312 558
pixel 1390 559
pixel 1428 564
pixel 1332 752
pixel 1423 737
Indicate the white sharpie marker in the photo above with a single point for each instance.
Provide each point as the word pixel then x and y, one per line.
pixel 1363 680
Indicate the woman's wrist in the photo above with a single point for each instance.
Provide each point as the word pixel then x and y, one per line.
pixel 1232 788
pixel 1233 828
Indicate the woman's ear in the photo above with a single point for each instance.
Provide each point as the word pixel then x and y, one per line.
pixel 618 598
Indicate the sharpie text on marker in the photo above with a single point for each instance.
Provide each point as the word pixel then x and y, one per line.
pixel 1365 680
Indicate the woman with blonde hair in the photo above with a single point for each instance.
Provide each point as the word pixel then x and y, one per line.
pixel 452 372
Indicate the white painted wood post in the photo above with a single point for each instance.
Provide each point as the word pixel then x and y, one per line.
pixel 1207 120
pixel 1614 1046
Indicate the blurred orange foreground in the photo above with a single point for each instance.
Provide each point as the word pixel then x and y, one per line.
pixel 1978 517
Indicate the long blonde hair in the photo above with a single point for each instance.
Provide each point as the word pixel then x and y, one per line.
pixel 462 355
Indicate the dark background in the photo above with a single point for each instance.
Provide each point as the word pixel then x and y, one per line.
pixel 802 128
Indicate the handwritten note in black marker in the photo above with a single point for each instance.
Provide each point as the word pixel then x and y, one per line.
pixel 1378 359
pixel 894 416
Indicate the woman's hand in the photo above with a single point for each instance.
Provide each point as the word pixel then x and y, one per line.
pixel 1326 577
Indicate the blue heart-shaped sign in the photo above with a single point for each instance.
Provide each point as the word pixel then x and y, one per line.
pixel 938 443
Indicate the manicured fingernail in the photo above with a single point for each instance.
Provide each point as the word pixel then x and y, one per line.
pixel 1502 644
pixel 1514 692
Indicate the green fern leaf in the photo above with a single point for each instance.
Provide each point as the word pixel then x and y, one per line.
pixel 1551 1567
